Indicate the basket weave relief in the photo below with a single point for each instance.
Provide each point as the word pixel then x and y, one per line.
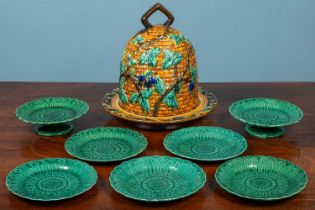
pixel 158 73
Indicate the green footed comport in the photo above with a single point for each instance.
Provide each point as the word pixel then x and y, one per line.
pixel 205 143
pixel 52 116
pixel 157 178
pixel 265 117
pixel 51 179
pixel 261 178
pixel 106 144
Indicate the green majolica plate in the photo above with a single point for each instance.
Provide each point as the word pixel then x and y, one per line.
pixel 261 177
pixel 205 143
pixel 265 116
pixel 106 144
pixel 53 115
pixel 51 179
pixel 157 178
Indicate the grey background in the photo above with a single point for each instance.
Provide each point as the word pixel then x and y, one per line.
pixel 83 40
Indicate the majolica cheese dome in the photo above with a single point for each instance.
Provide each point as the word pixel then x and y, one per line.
pixel 159 72
pixel 158 76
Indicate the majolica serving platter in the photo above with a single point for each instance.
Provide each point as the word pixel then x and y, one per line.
pixel 106 144
pixel 51 179
pixel 157 178
pixel 52 116
pixel 261 177
pixel 265 117
pixel 208 102
pixel 205 143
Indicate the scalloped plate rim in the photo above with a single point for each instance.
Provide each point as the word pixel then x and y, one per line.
pixel 56 122
pixel 105 161
pixel 261 124
pixel 53 199
pixel 202 159
pixel 254 198
pixel 204 180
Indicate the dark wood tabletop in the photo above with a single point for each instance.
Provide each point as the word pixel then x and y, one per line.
pixel 19 144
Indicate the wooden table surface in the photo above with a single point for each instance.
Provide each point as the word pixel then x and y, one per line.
pixel 19 145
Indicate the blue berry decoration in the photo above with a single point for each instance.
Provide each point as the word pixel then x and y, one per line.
pixel 141 77
pixel 152 80
pixel 191 86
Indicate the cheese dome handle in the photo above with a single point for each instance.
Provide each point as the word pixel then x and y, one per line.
pixel 153 9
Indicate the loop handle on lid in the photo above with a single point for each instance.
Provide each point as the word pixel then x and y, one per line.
pixel 153 9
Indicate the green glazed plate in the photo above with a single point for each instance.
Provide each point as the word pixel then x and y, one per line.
pixel 261 177
pixel 205 143
pixel 52 110
pixel 51 179
pixel 266 112
pixel 157 178
pixel 52 115
pixel 106 144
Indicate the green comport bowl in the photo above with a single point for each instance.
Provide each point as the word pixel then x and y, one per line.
pixel 265 117
pixel 261 177
pixel 51 179
pixel 106 144
pixel 53 116
pixel 157 178
pixel 205 143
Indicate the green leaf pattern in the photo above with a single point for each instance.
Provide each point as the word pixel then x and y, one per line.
pixel 149 57
pixel 138 39
pixel 130 61
pixel 146 93
pixel 178 38
pixel 170 99
pixel 122 95
pixel 160 86
pixel 143 99
pixel 133 97
pixel 144 104
pixel 148 73
pixel 122 67
pixel 171 59
pixel 193 73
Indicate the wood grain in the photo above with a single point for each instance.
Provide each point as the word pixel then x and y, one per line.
pixel 19 144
